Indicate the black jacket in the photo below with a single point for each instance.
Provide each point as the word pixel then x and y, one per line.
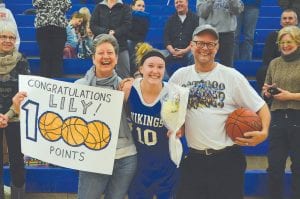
pixel 118 18
pixel 179 34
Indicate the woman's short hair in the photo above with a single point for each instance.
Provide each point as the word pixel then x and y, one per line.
pixel 293 31
pixel 6 26
pixel 105 38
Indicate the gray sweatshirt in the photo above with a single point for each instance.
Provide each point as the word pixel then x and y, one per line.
pixel 220 14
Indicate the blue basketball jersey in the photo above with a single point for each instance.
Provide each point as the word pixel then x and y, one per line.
pixel 156 173
pixel 148 130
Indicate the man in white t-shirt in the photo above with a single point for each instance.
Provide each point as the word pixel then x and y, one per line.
pixel 215 165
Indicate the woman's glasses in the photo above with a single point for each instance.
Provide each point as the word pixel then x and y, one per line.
pixel 288 42
pixel 5 37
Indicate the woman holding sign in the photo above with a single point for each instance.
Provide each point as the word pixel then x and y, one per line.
pixel 12 63
pixel 156 173
pixel 102 74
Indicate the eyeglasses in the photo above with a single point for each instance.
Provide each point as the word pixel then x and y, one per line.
pixel 209 45
pixel 288 18
pixel 5 37
pixel 288 42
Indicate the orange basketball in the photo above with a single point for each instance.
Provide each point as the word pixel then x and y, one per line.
pixel 240 121
pixel 74 131
pixel 50 125
pixel 99 135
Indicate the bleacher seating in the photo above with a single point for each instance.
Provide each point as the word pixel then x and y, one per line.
pixel 56 179
pixel 70 66
pixel 267 22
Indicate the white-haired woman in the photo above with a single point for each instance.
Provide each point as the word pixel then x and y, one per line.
pixel 12 63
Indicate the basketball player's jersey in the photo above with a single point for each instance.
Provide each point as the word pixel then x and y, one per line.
pixel 156 173
pixel 148 130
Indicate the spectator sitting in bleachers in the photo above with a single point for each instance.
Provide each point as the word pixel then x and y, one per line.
pixel 221 15
pixel 6 15
pixel 271 50
pixel 178 35
pixel 246 24
pixel 138 31
pixel 114 17
pixel 70 50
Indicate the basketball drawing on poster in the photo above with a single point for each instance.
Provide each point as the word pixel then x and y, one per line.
pixel 70 125
pixel 74 131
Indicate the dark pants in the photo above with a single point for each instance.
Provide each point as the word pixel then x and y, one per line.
pixel 284 141
pixel 173 64
pixel 226 49
pixel 16 161
pixel 51 41
pixel 216 176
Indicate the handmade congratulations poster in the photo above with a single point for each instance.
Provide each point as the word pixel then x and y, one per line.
pixel 70 125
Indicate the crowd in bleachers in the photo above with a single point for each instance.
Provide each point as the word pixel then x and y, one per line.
pixel 64 33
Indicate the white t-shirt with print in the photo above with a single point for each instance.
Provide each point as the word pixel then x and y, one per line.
pixel 213 96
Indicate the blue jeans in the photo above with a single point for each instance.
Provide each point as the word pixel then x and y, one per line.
pixel 284 141
pixel 246 25
pixel 115 186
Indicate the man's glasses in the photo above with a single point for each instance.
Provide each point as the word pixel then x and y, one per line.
pixel 209 45
pixel 5 37
pixel 289 18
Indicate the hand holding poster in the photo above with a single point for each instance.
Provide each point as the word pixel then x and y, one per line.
pixel 70 125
